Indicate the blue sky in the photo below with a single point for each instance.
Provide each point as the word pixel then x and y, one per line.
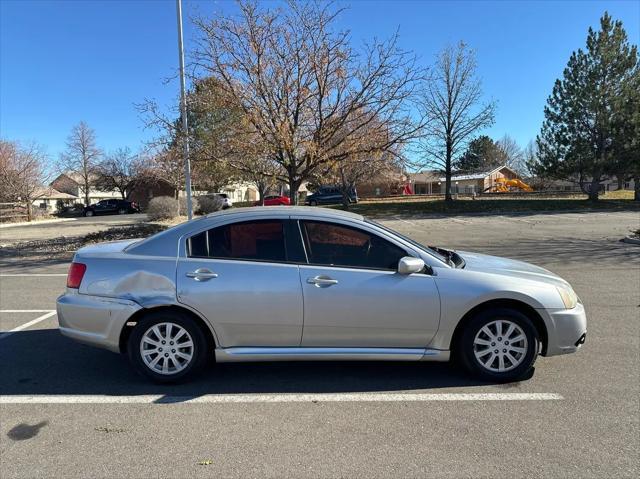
pixel 66 61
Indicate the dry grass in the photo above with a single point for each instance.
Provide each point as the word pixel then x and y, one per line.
pixel 493 205
pixel 618 195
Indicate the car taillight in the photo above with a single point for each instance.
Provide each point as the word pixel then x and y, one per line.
pixel 76 272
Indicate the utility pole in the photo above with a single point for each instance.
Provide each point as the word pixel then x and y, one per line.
pixel 183 113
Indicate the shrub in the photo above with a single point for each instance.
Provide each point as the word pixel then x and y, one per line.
pixel 183 205
pixel 209 204
pixel 162 208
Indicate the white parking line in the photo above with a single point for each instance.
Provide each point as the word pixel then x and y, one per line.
pixel 279 398
pixel 29 275
pixel 25 310
pixel 27 325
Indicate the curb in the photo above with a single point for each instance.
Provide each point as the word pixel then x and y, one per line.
pixel 630 240
pixel 32 223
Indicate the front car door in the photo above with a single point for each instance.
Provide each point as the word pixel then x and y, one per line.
pixel 240 277
pixel 353 295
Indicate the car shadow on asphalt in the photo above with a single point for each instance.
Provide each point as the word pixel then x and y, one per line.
pixel 43 362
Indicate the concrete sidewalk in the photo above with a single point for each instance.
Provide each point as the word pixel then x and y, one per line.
pixel 23 224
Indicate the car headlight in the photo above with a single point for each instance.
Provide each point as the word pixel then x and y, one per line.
pixel 569 297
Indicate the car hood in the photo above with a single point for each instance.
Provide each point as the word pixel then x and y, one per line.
pixel 509 267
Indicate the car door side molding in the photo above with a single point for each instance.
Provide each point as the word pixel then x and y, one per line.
pixel 239 354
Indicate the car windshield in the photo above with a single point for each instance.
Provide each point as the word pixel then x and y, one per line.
pixel 432 251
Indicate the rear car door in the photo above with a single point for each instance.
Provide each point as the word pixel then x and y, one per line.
pixel 111 206
pixel 354 296
pixel 241 278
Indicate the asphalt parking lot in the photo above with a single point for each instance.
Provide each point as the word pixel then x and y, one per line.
pixel 67 410
pixel 68 227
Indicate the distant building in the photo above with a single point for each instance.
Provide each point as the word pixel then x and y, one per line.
pixel 71 183
pixel 47 199
pixel 431 182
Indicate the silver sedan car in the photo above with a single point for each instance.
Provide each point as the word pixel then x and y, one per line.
pixel 296 283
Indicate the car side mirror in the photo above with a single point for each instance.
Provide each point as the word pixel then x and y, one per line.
pixel 409 264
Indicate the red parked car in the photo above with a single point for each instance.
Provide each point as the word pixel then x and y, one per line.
pixel 274 200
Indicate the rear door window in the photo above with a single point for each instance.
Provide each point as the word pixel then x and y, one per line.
pixel 251 240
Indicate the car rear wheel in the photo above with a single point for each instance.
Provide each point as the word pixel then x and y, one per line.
pixel 499 345
pixel 313 203
pixel 167 347
pixel 89 213
pixel 122 211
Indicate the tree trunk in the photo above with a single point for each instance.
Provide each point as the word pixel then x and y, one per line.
pixel 86 193
pixel 620 179
pixel 29 210
pixel 447 173
pixel 262 190
pixel 345 199
pixel 594 189
pixel 636 188
pixel 294 185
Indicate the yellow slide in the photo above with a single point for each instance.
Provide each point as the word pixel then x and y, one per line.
pixel 504 185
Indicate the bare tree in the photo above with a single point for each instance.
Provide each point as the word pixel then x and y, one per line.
pixel 513 155
pixel 21 173
pixel 354 167
pixel 121 170
pixel 167 165
pixel 81 156
pixel 452 102
pixel 298 82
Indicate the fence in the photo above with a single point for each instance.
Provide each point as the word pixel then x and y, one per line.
pixel 542 194
pixel 10 212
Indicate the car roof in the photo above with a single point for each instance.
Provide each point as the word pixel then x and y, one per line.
pixel 159 243
pixel 285 211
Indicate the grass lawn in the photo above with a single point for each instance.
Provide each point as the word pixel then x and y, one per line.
pixel 494 205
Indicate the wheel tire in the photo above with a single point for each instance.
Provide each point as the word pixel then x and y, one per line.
pixel 89 213
pixel 200 350
pixel 466 349
pixel 313 203
pixel 122 211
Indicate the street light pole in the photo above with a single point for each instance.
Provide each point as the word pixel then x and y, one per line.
pixel 183 113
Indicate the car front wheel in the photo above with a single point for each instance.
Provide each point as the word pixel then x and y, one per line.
pixel 499 345
pixel 167 347
pixel 122 211
pixel 89 213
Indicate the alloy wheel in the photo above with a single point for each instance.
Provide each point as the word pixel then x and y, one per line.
pixel 166 348
pixel 500 346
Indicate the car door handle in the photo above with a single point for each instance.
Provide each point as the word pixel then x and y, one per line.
pixel 322 281
pixel 202 274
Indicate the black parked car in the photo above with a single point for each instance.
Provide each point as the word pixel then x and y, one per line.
pixel 329 195
pixel 111 207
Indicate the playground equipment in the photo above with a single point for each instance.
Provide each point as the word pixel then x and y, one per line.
pixel 503 185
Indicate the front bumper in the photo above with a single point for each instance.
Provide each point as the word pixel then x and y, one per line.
pixel 94 320
pixel 566 330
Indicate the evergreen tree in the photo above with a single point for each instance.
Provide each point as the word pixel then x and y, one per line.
pixel 482 154
pixel 581 133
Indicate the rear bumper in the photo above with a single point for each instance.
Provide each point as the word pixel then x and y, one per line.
pixel 94 320
pixel 566 330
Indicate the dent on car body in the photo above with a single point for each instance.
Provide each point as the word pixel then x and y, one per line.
pixel 140 286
